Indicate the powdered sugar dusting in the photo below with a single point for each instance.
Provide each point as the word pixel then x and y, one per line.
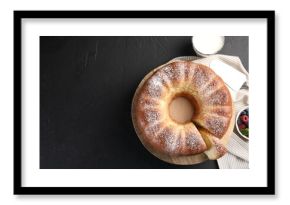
pixel 211 87
pixel 181 68
pixel 221 149
pixel 163 79
pixel 148 103
pixel 187 72
pixel 219 97
pixel 200 76
pixel 194 142
pixel 173 72
pixel 151 116
pixel 179 71
pixel 224 111
pixel 168 138
pixel 154 87
pixel 169 72
pixel 153 129
pixel 216 125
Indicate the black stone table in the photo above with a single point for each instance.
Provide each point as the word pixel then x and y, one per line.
pixel 86 88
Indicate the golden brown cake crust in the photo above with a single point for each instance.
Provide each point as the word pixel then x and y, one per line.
pixel 211 122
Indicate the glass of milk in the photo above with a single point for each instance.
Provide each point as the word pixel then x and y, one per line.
pixel 206 45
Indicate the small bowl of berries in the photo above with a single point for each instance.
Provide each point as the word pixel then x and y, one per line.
pixel 242 122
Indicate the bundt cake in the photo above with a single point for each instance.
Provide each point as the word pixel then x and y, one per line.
pixel 204 136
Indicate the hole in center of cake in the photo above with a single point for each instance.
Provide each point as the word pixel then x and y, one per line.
pixel 181 110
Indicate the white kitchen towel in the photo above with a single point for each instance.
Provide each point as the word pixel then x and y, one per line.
pixel 238 148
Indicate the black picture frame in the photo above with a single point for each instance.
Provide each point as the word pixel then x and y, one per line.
pixel 268 190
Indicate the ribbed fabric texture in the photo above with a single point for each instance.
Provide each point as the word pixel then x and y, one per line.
pixel 238 148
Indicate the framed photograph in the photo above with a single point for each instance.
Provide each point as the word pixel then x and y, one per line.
pixel 144 102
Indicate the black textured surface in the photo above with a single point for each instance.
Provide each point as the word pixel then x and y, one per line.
pixel 86 89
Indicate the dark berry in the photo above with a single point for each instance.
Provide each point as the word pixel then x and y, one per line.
pixel 242 126
pixel 244 118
